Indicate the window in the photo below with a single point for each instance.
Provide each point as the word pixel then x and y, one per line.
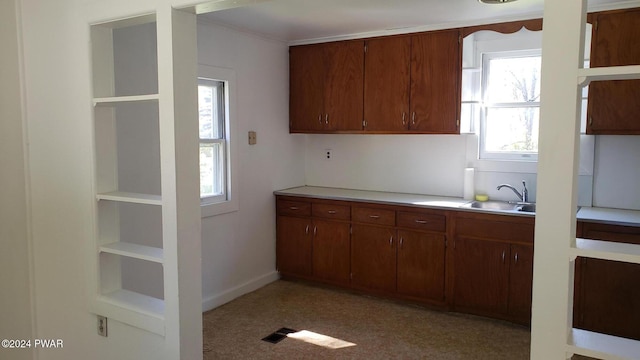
pixel 511 105
pixel 213 141
pixel 216 108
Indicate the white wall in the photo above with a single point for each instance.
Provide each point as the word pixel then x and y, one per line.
pixel 15 264
pixel 238 248
pixel 617 172
pixel 424 164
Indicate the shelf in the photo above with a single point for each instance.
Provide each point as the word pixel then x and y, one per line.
pixel 606 250
pixel 113 100
pixel 602 346
pixel 585 76
pixel 141 252
pixel 141 311
pixel 129 197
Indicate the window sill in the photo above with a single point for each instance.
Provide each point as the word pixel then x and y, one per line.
pixel 514 166
pixel 214 209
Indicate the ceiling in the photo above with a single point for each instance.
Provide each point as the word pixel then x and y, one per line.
pixel 298 21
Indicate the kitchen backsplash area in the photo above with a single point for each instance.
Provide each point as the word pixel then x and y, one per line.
pixel 434 165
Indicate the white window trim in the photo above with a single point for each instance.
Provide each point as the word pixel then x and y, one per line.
pixel 511 155
pixel 212 206
pixel 494 42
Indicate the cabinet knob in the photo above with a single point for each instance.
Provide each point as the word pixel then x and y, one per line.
pixel 320 118
pixel 421 221
pixel 516 258
pixel 404 122
pixel 331 211
pixel 503 253
pixel 326 118
pixel 293 208
pixel 413 118
pixel 374 216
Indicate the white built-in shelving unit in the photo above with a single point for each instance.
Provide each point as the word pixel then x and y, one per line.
pixel 129 239
pixel 563 80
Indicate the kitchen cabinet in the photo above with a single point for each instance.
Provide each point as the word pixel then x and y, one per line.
pixel 313 240
pixel 612 105
pixel 331 243
pixel 387 84
pixel 608 292
pixel 294 246
pixel 421 265
pixel 407 260
pixel 326 87
pixel 436 65
pixel 411 83
pixel 493 257
pixel 373 249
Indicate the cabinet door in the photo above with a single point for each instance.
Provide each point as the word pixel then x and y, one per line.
pixel 613 106
pixel 520 283
pixel 293 245
pixel 306 88
pixel 421 264
pixel 343 85
pixel 481 276
pixel 610 298
pixel 609 291
pixel 386 84
pixel 435 82
pixel 331 251
pixel 373 258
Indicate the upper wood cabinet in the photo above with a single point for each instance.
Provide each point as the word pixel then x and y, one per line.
pixel 412 83
pixel 613 107
pixel 326 93
pixel 436 67
pixel 387 84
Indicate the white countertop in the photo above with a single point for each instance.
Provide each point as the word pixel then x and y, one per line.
pixel 595 214
pixel 611 216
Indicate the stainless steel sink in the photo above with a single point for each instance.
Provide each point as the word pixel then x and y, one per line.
pixel 527 208
pixel 502 205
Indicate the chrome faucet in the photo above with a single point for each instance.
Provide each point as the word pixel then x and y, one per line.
pixel 524 196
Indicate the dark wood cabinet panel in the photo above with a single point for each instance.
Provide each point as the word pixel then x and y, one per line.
pixel 613 107
pixel 610 297
pixel 520 283
pixel 343 85
pixel 326 87
pixel 373 215
pixel 421 265
pixel 608 291
pixel 373 258
pixel 435 82
pixel 293 247
pixel 481 276
pixel 306 88
pixel 386 84
pixel 331 251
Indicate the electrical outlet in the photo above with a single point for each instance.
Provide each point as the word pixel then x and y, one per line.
pixel 253 139
pixel 328 154
pixel 102 326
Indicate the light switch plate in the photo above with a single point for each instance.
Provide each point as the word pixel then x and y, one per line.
pixel 252 138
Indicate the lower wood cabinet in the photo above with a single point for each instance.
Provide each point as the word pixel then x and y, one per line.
pixel 493 270
pixel 293 245
pixel 331 249
pixel 421 265
pixel 373 258
pixel 608 292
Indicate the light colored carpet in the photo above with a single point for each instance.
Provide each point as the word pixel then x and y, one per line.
pixel 380 329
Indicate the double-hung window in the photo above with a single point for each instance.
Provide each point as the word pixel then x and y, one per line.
pixel 212 109
pixel 511 105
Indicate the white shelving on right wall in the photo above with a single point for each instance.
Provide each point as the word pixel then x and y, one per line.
pixel 563 78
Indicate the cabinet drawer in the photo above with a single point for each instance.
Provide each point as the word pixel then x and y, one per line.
pixel 420 221
pixel 495 230
pixel 287 207
pixel 374 216
pixel 330 211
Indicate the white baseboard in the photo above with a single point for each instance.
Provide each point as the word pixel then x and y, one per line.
pixel 212 302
